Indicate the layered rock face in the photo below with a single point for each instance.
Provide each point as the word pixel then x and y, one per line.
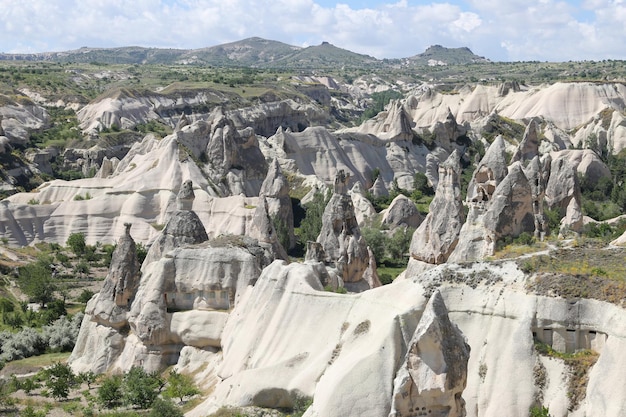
pixel 288 338
pixel 437 236
pixel 187 287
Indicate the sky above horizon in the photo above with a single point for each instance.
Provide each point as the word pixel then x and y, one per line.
pixel 501 30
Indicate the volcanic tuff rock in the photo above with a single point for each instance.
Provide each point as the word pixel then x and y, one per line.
pixel 120 285
pixel 507 212
pixel 181 300
pixel 437 236
pixel 275 189
pixel 529 146
pixel 392 124
pixel 401 212
pixel 264 231
pixel 563 193
pixel 341 340
pixel 18 119
pixel 363 207
pixel 434 375
pixel 340 235
pixel 490 171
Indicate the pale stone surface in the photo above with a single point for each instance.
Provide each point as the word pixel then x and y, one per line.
pixel 529 146
pixel 363 208
pixel 437 236
pixel 340 235
pixel 434 373
pixel 401 212
pixel 275 189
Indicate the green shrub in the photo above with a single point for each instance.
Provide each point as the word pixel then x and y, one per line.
pixel 164 408
pixel 140 389
pixel 180 386
pixel 110 392
pixel 76 242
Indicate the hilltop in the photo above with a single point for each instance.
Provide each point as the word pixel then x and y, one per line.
pixel 249 52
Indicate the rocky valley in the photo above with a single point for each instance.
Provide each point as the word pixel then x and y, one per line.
pixel 271 203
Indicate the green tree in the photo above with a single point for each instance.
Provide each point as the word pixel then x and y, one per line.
pixel 110 392
pixel 311 225
pixel 76 243
pixel 140 388
pixel 399 242
pixel 180 386
pixel 376 240
pixel 163 408
pixel 85 296
pixel 60 379
pixel 35 280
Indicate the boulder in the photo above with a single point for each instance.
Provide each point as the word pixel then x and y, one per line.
pixel 402 212
pixel 437 236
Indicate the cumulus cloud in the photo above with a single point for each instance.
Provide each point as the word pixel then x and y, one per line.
pixel 513 30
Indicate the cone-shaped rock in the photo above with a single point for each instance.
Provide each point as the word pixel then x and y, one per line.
pixel 341 237
pixel 183 227
pixel 438 234
pixel 529 146
pixel 434 373
pixel 275 189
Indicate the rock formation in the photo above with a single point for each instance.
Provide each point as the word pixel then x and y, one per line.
pixel 379 189
pixel 401 212
pixel 392 124
pixel 183 227
pixel 264 231
pixel 275 190
pixel 437 236
pixel 105 323
pixel 363 207
pixel 340 236
pixel 448 131
pixel 563 193
pixel 434 373
pixel 182 298
pixel 529 146
pixel 538 173
pixel 507 212
pixel 490 171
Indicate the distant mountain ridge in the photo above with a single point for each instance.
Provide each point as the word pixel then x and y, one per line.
pixel 249 52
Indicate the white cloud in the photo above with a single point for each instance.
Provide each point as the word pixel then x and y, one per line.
pixel 511 30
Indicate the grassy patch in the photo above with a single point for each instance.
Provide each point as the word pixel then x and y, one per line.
pixel 389 273
pixel 579 273
pixel 516 250
pixel 578 364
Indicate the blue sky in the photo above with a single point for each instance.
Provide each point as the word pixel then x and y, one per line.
pixel 501 30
